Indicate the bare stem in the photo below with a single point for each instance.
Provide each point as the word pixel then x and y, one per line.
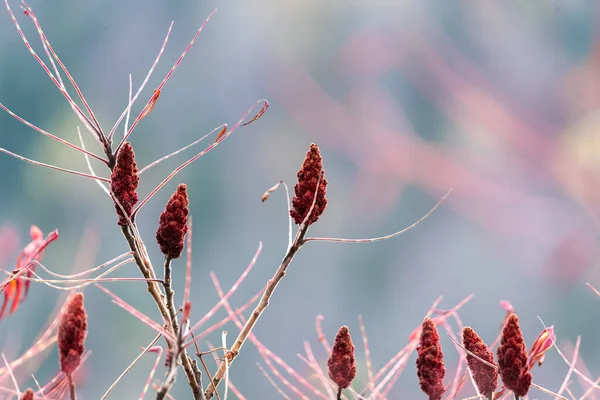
pixel 170 294
pixel 260 308
pixel 146 268
pixel 170 321
pixel 138 358
pixel 72 394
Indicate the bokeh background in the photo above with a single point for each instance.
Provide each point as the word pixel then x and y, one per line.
pixel 499 100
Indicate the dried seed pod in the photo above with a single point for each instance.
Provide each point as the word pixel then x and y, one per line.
pixel 430 361
pixel 308 176
pixel 540 346
pixel 172 225
pixel 485 376
pixel 341 363
pixel 124 181
pixel 512 358
pixel 72 332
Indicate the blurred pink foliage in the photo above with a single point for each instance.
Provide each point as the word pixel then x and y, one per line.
pixel 509 164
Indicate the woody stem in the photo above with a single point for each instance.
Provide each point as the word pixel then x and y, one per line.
pixel 143 262
pixel 170 294
pixel 191 369
pixel 260 308
pixel 72 394
pixel 145 266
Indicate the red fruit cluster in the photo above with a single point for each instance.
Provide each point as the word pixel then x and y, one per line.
pixel 512 358
pixel 308 176
pixel 124 181
pixel 485 376
pixel 72 332
pixel 430 361
pixel 341 363
pixel 172 226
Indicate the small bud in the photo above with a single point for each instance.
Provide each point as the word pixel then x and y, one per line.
pixel 187 309
pixel 485 376
pixel 542 344
pixel 152 103
pixel 172 225
pixel 430 362
pixel 512 358
pixel 27 395
pixel 341 363
pixel 266 195
pixel 308 176
pixel 221 133
pixel 124 182
pixel 72 332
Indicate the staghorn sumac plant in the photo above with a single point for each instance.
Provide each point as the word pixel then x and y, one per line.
pixel 119 180
pixel 175 330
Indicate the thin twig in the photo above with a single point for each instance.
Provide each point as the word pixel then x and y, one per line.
pixel 199 354
pixel 10 372
pixel 51 136
pixel 381 238
pixel 574 361
pixel 154 163
pixel 89 164
pixel 371 383
pixel 166 78
pixel 197 156
pixel 560 353
pixel 273 383
pixel 159 351
pixel 50 166
pixel 131 366
pixel 132 100
pixel 542 389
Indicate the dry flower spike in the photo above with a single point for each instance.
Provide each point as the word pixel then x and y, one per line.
pixel 124 182
pixel 512 358
pixel 311 172
pixel 341 363
pixel 172 226
pixel 485 376
pixel 430 361
pixel 72 332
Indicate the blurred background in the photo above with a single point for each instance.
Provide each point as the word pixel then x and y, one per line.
pixel 406 99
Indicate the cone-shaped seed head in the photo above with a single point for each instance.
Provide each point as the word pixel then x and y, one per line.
pixel 341 363
pixel 28 394
pixel 430 361
pixel 124 182
pixel 486 377
pixel 172 225
pixel 71 334
pixel 512 358
pixel 304 191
